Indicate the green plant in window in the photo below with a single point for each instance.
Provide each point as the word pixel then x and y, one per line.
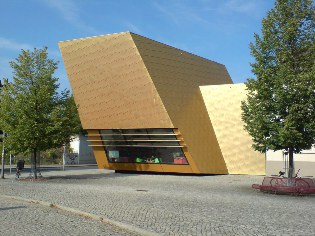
pixel 157 160
pixel 139 160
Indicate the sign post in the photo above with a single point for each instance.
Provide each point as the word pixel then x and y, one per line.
pixel 10 162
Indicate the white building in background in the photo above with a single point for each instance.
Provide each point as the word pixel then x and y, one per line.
pixel 81 152
pixel 304 162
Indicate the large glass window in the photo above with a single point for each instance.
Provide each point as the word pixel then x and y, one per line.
pixel 154 146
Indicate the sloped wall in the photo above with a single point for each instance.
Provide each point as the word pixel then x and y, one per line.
pixel 223 103
pixel 111 84
pixel 177 76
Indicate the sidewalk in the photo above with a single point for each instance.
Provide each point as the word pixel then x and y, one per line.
pixel 27 218
pixel 51 170
pixel 172 204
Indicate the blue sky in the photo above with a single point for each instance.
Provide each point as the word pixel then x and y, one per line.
pixel 217 30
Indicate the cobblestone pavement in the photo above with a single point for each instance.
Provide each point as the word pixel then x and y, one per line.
pixel 22 218
pixel 173 205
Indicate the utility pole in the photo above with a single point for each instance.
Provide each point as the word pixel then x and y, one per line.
pixel 10 163
pixel 64 157
pixel 2 158
pixel 3 148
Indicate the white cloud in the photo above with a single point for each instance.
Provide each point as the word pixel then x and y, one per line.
pixel 177 11
pixel 13 45
pixel 242 6
pixel 15 48
pixel 9 44
pixel 70 11
pixel 212 14
pixel 5 69
pixel 170 14
pixel 133 28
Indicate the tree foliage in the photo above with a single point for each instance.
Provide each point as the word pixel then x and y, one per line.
pixel 33 114
pixel 280 109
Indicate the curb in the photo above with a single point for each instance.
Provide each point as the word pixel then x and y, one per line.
pixel 126 227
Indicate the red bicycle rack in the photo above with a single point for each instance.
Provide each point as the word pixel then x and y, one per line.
pixel 297 185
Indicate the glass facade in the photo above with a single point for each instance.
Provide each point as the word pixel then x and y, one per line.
pixel 145 146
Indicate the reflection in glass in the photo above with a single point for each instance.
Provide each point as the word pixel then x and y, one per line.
pixel 143 146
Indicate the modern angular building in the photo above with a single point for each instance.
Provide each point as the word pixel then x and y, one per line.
pixel 148 106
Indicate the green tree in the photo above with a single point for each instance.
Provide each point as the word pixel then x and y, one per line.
pixel 279 112
pixel 33 114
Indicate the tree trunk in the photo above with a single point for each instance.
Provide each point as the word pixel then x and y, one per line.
pixel 291 163
pixel 34 169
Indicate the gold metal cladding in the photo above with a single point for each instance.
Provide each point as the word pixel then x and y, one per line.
pixel 177 76
pixel 126 81
pixel 111 84
pixel 151 167
pixel 145 140
pixel 99 152
pixel 223 104
pixel 200 138
pixel 136 135
pixel 189 159
pixel 103 145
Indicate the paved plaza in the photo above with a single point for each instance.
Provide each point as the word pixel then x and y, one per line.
pixel 22 218
pixel 134 204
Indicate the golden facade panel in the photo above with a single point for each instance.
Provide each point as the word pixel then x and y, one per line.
pixel 223 103
pixel 147 106
pixel 177 76
pixel 111 84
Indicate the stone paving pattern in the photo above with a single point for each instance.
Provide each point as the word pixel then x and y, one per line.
pixel 172 205
pixel 21 218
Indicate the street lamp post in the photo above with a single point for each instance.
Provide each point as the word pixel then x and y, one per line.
pixel 2 158
pixel 10 163
pixel 3 148
pixel 64 157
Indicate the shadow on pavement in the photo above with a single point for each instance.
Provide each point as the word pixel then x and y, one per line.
pixel 11 208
